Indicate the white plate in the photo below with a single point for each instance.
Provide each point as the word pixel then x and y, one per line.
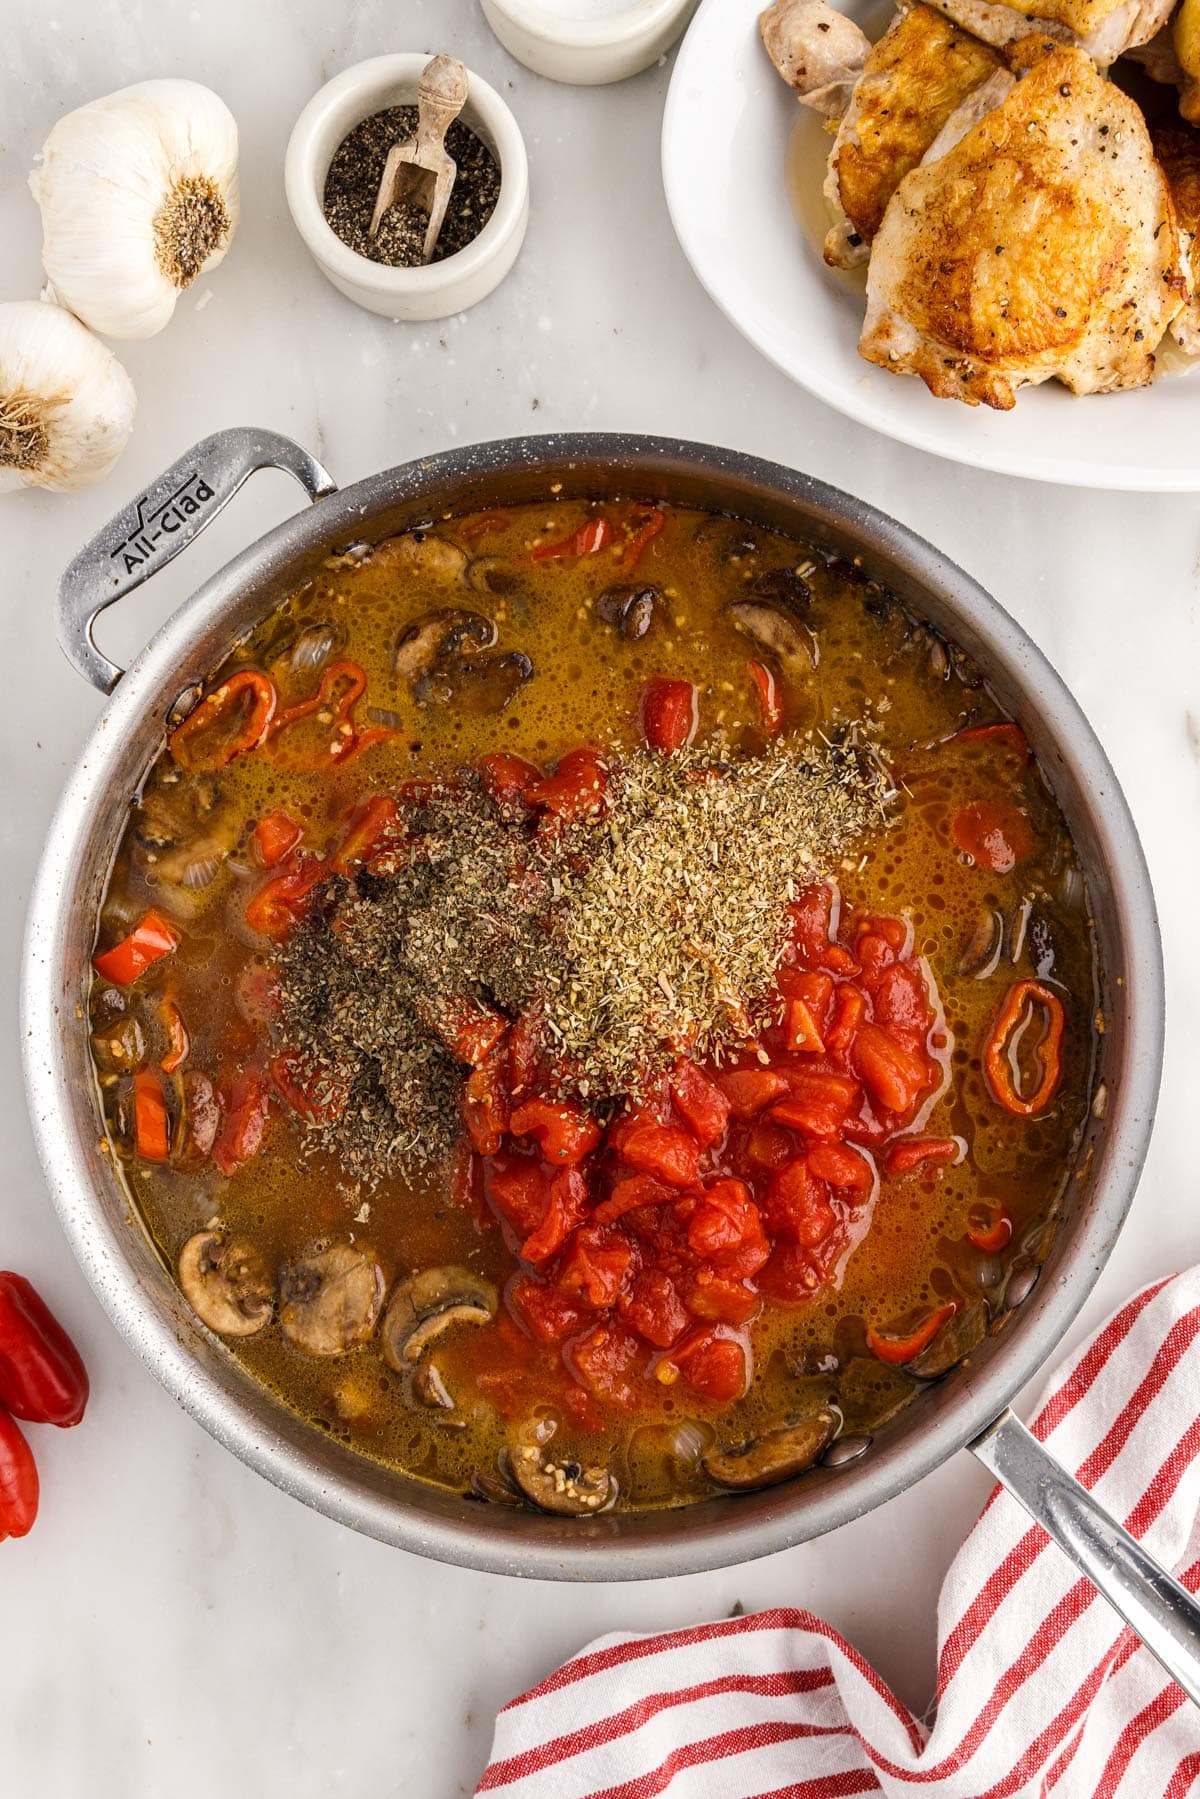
pixel 729 120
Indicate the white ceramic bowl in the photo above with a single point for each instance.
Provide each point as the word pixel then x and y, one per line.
pixel 738 227
pixel 583 51
pixel 441 288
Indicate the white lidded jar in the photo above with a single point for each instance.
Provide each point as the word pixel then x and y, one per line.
pixel 586 42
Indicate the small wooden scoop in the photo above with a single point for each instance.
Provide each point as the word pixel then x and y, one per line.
pixel 419 171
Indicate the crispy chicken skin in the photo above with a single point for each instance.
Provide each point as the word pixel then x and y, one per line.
pixel 1106 29
pixel 819 52
pixel 1177 147
pixel 915 77
pixel 1043 244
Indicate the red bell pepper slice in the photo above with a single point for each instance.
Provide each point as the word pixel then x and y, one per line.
pixel 670 714
pixel 896 1350
pixel 653 521
pixel 42 1376
pixel 232 719
pixel 150 940
pixel 282 902
pixel 766 684
pixel 178 1040
pixel 992 1237
pixel 332 711
pixel 482 524
pixel 372 825
pixel 151 1133
pixel 590 537
pixel 273 837
pixel 242 1125
pixel 1004 734
pixel 997 1060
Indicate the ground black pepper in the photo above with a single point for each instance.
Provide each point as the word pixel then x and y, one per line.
pixel 353 181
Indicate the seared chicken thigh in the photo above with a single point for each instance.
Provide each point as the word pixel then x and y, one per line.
pixel 819 52
pixel 1106 29
pixel 1177 147
pixel 915 78
pixel 1043 244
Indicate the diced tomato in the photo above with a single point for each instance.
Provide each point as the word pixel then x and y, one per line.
pixel 993 833
pixel 803 1032
pixel 901 1001
pixel 719 1298
pixel 898 1349
pixel 704 1108
pixel 875 956
pixel 564 1132
pixel 608 1361
pixel 809 923
pixel 484 1104
pixel 920 1152
pixel 725 1228
pixel 470 1029
pixel 670 714
pixel 849 1010
pixel 375 825
pixel 565 1207
pixel 819 1101
pixel 273 837
pixel 840 1167
pixel 713 1365
pixel 282 902
pixel 595 1263
pixel 790 1275
pixel 766 684
pixel 242 1124
pixel 749 1090
pixel 306 1088
pixel 662 1150
pixel 651 1306
pixel 769 1145
pixel 519 1188
pixel 151 1131
pixel 509 779
pixel 522 1057
pixel 577 788
pixel 549 1313
pixel 256 993
pixel 893 1076
pixel 797 1205
pixel 595 535
pixel 629 1195
pixel 150 940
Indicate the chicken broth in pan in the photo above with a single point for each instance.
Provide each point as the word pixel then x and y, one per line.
pixel 595 1003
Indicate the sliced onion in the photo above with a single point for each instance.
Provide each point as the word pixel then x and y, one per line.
pixel 202 871
pixel 313 648
pixel 690 1440
pixel 1072 889
pixel 389 721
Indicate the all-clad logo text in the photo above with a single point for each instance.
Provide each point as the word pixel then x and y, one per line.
pixel 156 526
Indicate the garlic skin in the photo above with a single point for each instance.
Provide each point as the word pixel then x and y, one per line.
pixel 66 404
pixel 139 195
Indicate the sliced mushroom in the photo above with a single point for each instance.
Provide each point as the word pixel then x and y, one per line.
pixel 202 1113
pixel 557 1484
pixel 331 1299
pixel 225 1281
pixel 730 539
pixel 631 609
pixel 982 950
pixel 956 1339
pixel 436 637
pixel 422 554
pixel 485 685
pixel 776 1456
pixel 492 574
pixel 428 1303
pixel 777 633
pixel 430 1389
pixel 783 587
pixel 493 1491
pixel 119 1047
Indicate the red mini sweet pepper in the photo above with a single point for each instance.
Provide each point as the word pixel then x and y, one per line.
pixel 42 1377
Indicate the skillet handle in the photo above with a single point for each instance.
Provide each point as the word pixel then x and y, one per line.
pixel 158 524
pixel 1154 1605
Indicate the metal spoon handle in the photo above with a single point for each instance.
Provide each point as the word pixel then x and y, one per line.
pixel 1151 1601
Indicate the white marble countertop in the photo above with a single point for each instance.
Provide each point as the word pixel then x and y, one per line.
pixel 175 1626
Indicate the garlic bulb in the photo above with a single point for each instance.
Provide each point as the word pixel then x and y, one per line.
pixel 139 195
pixel 66 404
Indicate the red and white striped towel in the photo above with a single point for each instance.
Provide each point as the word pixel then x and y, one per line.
pixel 1040 1689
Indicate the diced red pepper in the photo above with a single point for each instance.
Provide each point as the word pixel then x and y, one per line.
pixel 993 1236
pixel 893 1076
pixel 566 1204
pixel 662 1150
pixel 151 1131
pixel 797 1205
pixel 273 837
pixel 243 1122
pixel 993 833
pixel 921 1152
pixel 150 940
pixel 280 904
pixel 564 1132
pixel 702 1105
pixel 229 721
pixel 651 1306
pixel 750 1090
pixel 766 684
pixel 670 714
pixel 713 1365
pixel 577 789
pixel 42 1376
pixel 896 1350
pixel 595 535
